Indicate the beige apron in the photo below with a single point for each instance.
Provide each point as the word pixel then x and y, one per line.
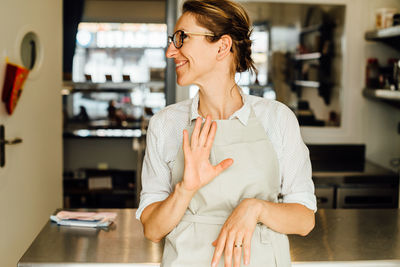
pixel 254 174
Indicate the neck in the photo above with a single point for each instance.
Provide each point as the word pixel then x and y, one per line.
pixel 220 101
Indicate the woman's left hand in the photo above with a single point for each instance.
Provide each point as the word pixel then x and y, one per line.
pixel 236 234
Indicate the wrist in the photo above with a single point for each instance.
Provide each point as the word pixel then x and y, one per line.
pixel 181 190
pixel 255 205
pixel 259 206
pixel 264 210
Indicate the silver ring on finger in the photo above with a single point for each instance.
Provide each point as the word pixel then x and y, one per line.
pixel 238 245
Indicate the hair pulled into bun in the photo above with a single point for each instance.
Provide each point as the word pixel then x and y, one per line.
pixel 225 17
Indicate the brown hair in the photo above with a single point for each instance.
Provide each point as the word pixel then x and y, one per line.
pixel 225 17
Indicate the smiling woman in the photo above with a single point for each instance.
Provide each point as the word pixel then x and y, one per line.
pixel 213 194
pixel 214 24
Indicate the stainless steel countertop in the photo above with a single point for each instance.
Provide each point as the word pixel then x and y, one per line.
pixel 341 237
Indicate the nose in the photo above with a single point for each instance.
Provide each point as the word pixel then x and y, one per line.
pixel 172 51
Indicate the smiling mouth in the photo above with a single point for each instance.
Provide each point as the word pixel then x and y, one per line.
pixel 180 64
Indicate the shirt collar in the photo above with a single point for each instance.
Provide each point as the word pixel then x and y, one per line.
pixel 242 114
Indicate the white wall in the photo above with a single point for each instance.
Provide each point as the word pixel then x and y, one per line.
pixel 30 183
pixel 363 121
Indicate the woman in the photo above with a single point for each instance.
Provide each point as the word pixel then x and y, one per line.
pixel 212 189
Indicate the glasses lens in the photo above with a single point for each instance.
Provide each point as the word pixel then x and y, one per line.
pixel 177 38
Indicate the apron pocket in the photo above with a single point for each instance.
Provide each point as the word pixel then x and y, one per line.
pixel 277 244
pixel 262 251
pixel 265 237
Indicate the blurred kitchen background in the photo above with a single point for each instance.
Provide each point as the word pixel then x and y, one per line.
pixel 99 72
pixel 118 78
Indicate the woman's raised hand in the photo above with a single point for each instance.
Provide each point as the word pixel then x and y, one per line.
pixel 198 169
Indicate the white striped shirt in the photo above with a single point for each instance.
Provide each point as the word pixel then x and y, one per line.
pixel 164 139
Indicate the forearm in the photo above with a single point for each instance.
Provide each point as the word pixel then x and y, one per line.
pixel 160 218
pixel 287 218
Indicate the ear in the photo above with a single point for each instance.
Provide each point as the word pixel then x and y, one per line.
pixel 225 44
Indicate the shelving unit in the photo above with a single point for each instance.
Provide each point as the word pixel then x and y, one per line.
pixel 106 133
pixel 317 55
pixel 126 48
pixel 389 36
pixel 312 84
pixel 385 95
pixel 312 67
pixel 308 56
pixel 312 28
pixel 109 86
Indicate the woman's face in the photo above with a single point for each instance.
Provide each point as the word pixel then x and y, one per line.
pixel 196 59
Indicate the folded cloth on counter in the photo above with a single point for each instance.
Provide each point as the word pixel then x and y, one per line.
pixel 84 219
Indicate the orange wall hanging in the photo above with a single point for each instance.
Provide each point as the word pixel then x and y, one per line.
pixel 13 83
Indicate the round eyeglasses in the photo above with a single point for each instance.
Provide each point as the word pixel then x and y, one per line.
pixel 180 35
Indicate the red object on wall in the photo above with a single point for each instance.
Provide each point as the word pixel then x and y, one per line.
pixel 12 88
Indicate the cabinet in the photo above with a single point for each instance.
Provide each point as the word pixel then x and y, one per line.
pixel 391 37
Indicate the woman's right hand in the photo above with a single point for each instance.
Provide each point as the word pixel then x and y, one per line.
pixel 198 170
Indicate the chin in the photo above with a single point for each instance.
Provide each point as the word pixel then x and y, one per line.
pixel 182 81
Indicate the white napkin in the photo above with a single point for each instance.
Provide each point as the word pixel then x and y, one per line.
pixel 84 219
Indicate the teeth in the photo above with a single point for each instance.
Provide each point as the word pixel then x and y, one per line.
pixel 180 64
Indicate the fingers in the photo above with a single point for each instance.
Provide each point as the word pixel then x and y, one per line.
pixel 196 131
pixel 185 145
pixel 246 249
pixel 211 136
pixel 233 243
pixel 205 131
pixel 223 165
pixel 228 250
pixel 237 249
pixel 219 248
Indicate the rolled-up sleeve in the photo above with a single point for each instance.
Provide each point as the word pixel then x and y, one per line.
pixel 297 184
pixel 156 180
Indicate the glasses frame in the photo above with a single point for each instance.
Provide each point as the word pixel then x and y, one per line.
pixel 172 38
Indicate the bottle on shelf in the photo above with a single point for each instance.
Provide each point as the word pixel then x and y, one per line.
pixel 372 73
